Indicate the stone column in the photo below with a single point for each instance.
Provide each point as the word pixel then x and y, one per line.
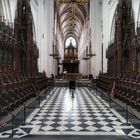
pixel 45 35
pixel 96 35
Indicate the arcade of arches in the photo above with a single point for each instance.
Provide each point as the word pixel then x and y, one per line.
pixel 70 68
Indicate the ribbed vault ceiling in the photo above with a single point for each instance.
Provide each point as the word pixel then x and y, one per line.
pixel 72 16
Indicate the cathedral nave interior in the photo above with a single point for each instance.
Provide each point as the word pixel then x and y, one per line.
pixel 70 69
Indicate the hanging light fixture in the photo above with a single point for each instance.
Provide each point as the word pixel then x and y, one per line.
pixel 57 57
pixel 91 54
pixel 73 18
pixel 54 55
pixel 86 58
pixel 73 6
pixel 73 1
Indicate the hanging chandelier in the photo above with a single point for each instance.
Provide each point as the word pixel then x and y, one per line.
pixel 73 1
pixel 86 58
pixel 73 18
pixel 91 54
pixel 73 7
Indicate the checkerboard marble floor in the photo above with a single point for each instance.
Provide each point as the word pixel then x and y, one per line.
pixel 83 113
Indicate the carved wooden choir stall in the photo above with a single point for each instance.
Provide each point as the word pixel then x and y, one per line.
pixel 19 77
pixel 123 56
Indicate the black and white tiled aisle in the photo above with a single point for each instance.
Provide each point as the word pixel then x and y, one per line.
pixel 85 114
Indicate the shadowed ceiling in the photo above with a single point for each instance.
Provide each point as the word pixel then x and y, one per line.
pixel 72 15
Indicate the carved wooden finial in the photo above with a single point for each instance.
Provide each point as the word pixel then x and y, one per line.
pixel 0 18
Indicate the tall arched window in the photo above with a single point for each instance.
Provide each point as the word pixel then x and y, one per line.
pixel 70 40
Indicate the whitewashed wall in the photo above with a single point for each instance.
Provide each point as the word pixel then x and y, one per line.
pixel 34 8
pixel 96 34
pixel 7 10
pixel 136 8
pixel 45 36
pixel 1 9
pixel 109 7
pixel 60 46
pixel 83 44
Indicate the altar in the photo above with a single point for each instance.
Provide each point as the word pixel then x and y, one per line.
pixel 73 76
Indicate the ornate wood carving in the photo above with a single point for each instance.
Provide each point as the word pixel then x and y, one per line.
pixel 121 53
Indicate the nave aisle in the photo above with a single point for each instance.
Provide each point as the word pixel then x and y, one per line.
pixel 84 114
